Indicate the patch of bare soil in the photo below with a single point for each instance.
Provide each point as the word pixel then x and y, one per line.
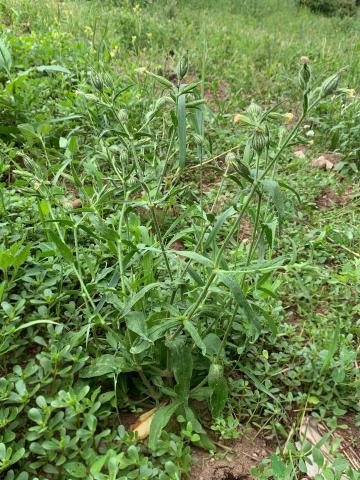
pixel 245 230
pixel 350 436
pixel 329 198
pixel 300 151
pixel 221 93
pixel 244 454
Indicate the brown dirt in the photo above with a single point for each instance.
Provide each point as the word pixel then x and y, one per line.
pixel 221 94
pixel 244 454
pixel 351 435
pixel 127 418
pixel 178 245
pixel 294 316
pixel 245 230
pixel 329 198
pixel 300 151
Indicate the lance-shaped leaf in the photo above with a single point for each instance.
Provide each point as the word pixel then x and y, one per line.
pixel 195 257
pixel 160 420
pixel 219 389
pixel 231 282
pixel 138 296
pixel 182 366
pixel 272 188
pixel 218 224
pixel 191 329
pixel 5 57
pixel 61 246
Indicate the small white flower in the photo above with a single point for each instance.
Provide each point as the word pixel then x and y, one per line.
pixel 310 133
pixel 306 127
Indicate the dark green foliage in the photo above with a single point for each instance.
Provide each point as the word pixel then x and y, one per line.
pixel 341 8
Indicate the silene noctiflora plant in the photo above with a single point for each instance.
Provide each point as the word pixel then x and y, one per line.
pixel 169 319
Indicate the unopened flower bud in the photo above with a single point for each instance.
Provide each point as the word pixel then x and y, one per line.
pixel 330 85
pixel 97 81
pixel 108 81
pixel 199 139
pixel 183 66
pixel 230 157
pixel 123 155
pixel 161 102
pixel 122 115
pixel 254 110
pixel 259 141
pixel 305 73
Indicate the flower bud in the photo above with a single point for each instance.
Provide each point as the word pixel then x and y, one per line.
pixel 123 154
pixel 254 110
pixel 199 139
pixel 108 81
pixel 183 67
pixel 330 85
pixel 160 102
pixel 304 76
pixel 259 141
pixel 230 158
pixel 122 115
pixel 97 81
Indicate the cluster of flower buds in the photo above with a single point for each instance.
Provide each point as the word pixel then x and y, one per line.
pixel 101 81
